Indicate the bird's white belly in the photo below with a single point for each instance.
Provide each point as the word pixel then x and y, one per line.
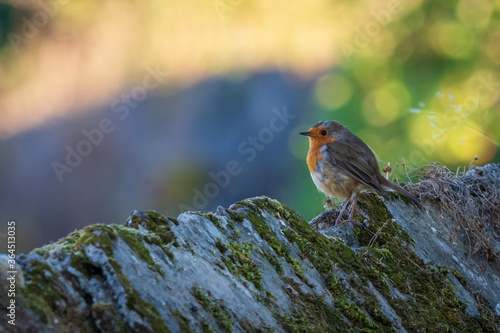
pixel 331 183
pixel 319 182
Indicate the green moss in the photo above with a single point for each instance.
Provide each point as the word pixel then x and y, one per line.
pixel 296 267
pixel 397 196
pixel 82 263
pixel 298 322
pixel 248 326
pixel 488 321
pixel 42 288
pixel 182 321
pixel 235 216
pixel 221 246
pixel 174 220
pixel 262 228
pixel 273 261
pixel 323 253
pixel 266 233
pixel 217 308
pixel 159 233
pixel 65 244
pixel 238 262
pixel 212 218
pixel 100 235
pixel 365 316
pixel 335 286
pixel 206 327
pixel 160 226
pixel 135 303
pixel 42 291
pixel 386 255
pixel 104 237
pixel 386 260
pixel 357 317
pixel 378 316
pixel 310 313
pixel 389 255
pixel 459 276
pixel 106 318
pixel 136 242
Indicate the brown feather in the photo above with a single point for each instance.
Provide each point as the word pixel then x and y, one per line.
pixel 342 165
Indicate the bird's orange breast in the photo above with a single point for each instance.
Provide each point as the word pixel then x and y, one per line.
pixel 315 155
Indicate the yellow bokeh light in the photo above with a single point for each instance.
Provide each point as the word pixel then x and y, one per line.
pixel 333 91
pixel 466 141
pixel 371 77
pixel 380 48
pixel 483 88
pixel 452 142
pixel 493 47
pixel 420 128
pixel 454 40
pixel 474 13
pixel 383 105
pixel 469 98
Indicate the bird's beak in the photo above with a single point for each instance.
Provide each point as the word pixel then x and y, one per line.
pixel 306 133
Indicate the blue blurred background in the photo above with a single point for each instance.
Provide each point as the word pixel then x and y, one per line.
pixel 110 106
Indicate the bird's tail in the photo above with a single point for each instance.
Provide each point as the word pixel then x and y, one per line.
pixel 398 189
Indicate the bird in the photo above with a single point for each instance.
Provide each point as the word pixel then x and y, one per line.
pixel 342 165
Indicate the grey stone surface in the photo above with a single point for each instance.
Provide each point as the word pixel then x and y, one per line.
pixel 258 266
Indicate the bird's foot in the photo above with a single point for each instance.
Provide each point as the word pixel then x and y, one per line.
pixel 339 219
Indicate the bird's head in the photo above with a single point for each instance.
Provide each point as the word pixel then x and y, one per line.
pixel 325 131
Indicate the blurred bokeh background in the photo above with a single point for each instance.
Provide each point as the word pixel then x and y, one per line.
pixel 110 106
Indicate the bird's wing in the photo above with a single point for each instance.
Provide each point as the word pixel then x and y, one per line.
pixel 356 159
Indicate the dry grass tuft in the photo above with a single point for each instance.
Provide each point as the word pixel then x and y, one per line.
pixel 470 197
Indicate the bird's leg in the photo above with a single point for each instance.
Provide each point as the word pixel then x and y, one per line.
pixel 344 205
pixel 354 201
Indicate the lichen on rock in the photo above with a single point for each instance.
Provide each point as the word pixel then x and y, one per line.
pixel 259 266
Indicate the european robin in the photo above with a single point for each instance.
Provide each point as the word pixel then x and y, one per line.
pixel 342 165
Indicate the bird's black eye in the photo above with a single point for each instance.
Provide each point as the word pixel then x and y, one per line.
pixel 323 132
